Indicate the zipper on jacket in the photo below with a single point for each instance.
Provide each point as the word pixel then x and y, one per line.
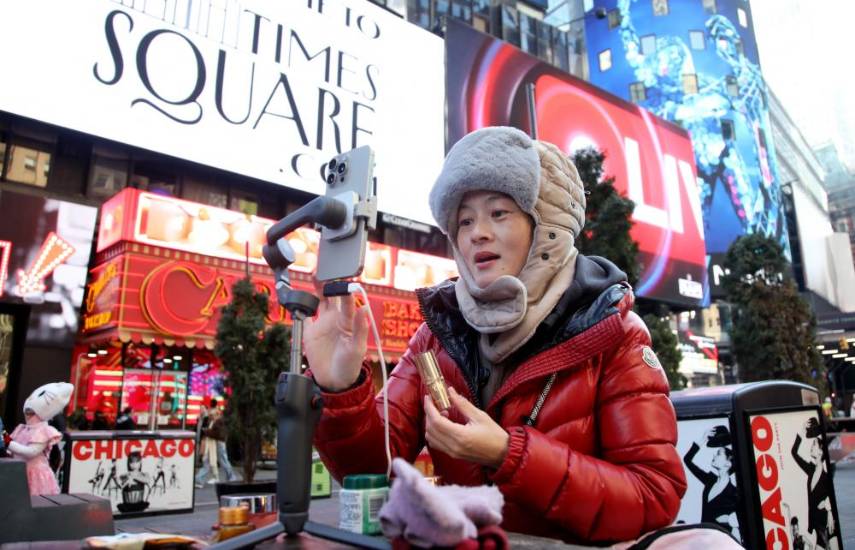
pixel 472 390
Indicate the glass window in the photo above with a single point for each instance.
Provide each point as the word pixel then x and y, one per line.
pixel 30 166
pixel 690 84
pixel 510 25
pixel 562 51
pixel 108 176
pixel 528 37
pixel 727 129
pixel 418 12
pixel 660 7
pixel 440 10
pixel 614 18
pixel 544 41
pixel 732 86
pixel 743 17
pixel 710 6
pixel 481 24
pixel 697 40
pixel 605 59
pixel 461 10
pixel 637 92
pixel 648 44
pixel 244 202
pixel 587 5
pixel 204 193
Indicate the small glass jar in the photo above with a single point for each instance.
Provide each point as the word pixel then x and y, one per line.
pixel 360 500
pixel 234 521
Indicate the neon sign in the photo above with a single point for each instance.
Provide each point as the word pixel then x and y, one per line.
pixel 5 251
pixel 53 252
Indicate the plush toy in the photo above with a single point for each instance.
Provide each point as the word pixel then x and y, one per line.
pixel 32 441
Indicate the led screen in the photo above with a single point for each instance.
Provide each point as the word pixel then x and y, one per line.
pixel 270 90
pixel 651 160
pixel 696 64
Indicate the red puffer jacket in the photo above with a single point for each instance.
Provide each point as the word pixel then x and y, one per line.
pixel 599 464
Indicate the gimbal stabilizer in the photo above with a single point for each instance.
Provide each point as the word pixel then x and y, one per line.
pixel 298 400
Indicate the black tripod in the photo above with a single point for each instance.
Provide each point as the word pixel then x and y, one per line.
pixel 298 400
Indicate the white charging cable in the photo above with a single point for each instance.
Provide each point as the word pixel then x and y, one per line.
pixel 356 287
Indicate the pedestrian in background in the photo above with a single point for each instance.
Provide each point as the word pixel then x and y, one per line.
pixel 218 433
pixel 126 420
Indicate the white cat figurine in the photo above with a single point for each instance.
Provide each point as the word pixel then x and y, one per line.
pixel 32 441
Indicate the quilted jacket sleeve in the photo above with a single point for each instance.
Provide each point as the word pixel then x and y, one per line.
pixel 349 436
pixel 636 483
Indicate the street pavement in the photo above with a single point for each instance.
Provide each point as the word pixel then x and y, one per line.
pixel 199 523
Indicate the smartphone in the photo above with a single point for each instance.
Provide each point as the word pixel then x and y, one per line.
pixel 350 178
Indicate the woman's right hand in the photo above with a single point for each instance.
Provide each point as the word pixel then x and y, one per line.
pixel 336 341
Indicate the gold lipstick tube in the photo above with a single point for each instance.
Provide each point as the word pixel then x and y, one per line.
pixel 432 378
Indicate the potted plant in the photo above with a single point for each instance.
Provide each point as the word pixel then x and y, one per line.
pixel 253 354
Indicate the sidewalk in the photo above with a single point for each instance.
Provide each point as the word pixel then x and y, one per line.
pixel 325 510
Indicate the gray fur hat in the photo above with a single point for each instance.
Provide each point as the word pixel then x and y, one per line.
pixel 497 158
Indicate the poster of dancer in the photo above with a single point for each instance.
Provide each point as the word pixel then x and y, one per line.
pixel 794 481
pixel 706 448
pixel 137 475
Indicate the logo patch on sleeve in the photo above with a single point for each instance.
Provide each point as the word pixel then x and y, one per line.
pixel 650 358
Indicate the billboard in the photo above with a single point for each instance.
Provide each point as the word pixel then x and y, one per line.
pixel 44 253
pixel 270 90
pixel 712 490
pixel 136 475
pixel 700 354
pixel 793 481
pixel 651 159
pixel 696 64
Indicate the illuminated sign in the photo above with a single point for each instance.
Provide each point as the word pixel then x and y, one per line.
pixel 415 270
pixel 45 246
pixel 166 222
pixel 700 68
pixel 5 251
pixel 181 301
pixel 270 90
pixel 53 252
pixel 651 160
pixel 700 354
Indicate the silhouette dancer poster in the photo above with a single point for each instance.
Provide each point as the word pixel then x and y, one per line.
pixel 138 475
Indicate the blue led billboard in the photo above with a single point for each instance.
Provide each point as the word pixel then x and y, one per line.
pixel 695 63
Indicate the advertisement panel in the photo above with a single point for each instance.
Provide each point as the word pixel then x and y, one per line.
pixel 177 301
pixel 700 354
pixel 136 475
pixel 712 493
pixel 793 481
pixel 270 90
pixel 696 64
pixel 44 252
pixel 651 160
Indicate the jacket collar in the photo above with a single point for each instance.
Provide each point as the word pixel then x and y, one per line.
pixel 585 322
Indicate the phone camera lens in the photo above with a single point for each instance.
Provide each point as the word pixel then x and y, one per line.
pixel 331 165
pixel 331 178
pixel 342 167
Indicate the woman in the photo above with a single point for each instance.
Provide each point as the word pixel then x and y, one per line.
pixel 720 497
pixel 529 320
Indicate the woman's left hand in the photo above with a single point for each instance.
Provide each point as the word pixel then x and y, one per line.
pixel 480 440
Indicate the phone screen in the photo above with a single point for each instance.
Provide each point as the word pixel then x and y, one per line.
pixel 349 177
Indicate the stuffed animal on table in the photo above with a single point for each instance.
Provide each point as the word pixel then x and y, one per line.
pixel 33 441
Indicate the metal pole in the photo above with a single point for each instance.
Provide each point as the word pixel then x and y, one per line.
pixel 532 112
